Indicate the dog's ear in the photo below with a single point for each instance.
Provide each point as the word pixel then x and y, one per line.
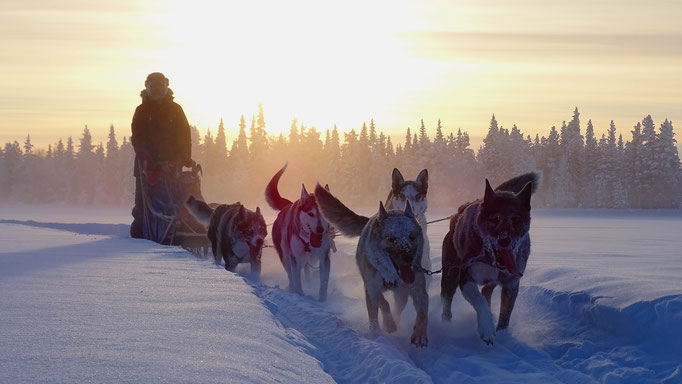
pixel 304 193
pixel 397 180
pixel 258 211
pixel 408 209
pixel 326 186
pixel 382 211
pixel 423 180
pixel 489 193
pixel 525 193
pixel 241 212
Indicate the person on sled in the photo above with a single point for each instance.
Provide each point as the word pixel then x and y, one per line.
pixel 160 136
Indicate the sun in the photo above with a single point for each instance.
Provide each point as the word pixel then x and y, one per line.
pixel 323 62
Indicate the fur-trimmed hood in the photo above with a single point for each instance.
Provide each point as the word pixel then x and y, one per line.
pixel 145 97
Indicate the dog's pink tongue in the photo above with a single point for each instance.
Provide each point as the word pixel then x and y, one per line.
pixel 507 256
pixel 315 240
pixel 406 274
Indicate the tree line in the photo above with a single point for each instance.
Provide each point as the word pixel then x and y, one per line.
pixel 578 169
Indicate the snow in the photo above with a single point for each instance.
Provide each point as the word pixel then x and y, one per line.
pixel 600 302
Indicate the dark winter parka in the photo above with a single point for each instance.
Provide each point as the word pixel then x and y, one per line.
pixel 161 132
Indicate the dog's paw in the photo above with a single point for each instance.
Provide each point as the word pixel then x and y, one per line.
pixel 446 316
pixel 419 340
pixel 486 329
pixel 389 324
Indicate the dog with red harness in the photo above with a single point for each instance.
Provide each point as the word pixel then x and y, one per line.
pixel 300 234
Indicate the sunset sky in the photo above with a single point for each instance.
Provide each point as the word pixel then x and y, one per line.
pixel 65 64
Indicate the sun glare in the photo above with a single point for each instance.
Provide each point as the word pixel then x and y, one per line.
pixel 225 58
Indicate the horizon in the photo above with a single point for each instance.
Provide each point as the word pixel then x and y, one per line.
pixel 76 64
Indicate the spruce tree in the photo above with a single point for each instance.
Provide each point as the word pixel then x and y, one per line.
pixel 86 147
pixel 293 134
pixel 423 137
pixel 491 154
pixel 592 187
pixel 633 158
pixel 408 141
pixel 335 144
pixel 221 145
pixel 372 135
pixel 112 143
pixel 669 162
pixel 28 147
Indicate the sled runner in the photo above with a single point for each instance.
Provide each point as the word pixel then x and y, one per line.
pixel 166 220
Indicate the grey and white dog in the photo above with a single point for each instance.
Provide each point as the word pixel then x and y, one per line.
pixel 236 233
pixel 388 254
pixel 403 191
pixel 488 245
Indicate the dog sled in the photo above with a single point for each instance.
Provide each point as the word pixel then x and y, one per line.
pixel 166 220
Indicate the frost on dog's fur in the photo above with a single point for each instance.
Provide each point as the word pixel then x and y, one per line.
pixel 382 262
pixel 236 233
pixel 389 249
pixel 488 244
pixel 299 234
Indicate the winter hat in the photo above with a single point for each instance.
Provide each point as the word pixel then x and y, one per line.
pixel 155 76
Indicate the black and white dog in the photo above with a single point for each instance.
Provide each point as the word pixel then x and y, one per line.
pixel 299 234
pixel 236 233
pixel 488 245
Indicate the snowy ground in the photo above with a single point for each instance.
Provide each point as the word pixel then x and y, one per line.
pixel 601 301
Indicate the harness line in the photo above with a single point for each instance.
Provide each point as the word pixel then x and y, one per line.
pixel 443 219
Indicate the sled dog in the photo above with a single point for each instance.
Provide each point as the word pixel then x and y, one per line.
pixel 300 234
pixel 415 192
pixel 488 244
pixel 388 256
pixel 236 233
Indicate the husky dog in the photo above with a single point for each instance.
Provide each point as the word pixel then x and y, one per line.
pixel 236 233
pixel 415 192
pixel 488 244
pixel 388 255
pixel 300 233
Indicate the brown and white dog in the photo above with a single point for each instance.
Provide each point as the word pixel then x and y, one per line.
pixel 488 245
pixel 236 233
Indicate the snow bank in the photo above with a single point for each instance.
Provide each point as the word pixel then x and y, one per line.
pixel 100 309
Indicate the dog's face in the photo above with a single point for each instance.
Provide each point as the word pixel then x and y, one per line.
pixel 252 230
pixel 412 191
pixel 401 238
pixel 313 225
pixel 504 220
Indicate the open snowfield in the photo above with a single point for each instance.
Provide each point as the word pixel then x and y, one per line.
pixel 601 301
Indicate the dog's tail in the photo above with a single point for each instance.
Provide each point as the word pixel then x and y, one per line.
pixel 347 221
pixel 275 201
pixel 200 210
pixel 517 183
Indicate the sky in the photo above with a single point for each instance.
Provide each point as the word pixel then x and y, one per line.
pixel 68 64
